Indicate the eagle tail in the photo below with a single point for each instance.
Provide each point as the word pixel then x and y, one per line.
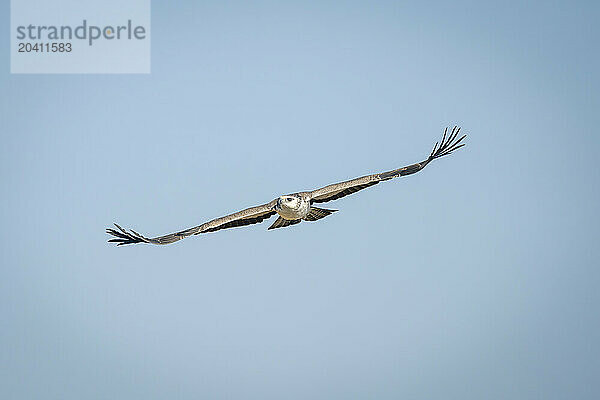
pixel 282 223
pixel 316 213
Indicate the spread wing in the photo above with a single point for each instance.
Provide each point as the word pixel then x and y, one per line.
pixel 248 216
pixel 448 144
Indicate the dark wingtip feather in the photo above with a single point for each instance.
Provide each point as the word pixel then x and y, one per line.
pixel 122 237
pixel 448 144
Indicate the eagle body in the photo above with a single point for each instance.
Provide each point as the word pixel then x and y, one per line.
pixel 294 208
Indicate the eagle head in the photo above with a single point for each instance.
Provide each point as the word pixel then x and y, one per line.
pixel 289 201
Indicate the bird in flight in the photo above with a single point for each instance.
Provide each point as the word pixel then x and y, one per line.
pixel 297 207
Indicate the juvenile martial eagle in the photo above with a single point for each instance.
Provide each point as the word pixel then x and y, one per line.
pixel 293 208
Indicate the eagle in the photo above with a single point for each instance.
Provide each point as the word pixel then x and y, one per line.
pixel 296 207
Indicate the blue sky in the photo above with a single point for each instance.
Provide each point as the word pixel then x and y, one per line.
pixel 476 278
